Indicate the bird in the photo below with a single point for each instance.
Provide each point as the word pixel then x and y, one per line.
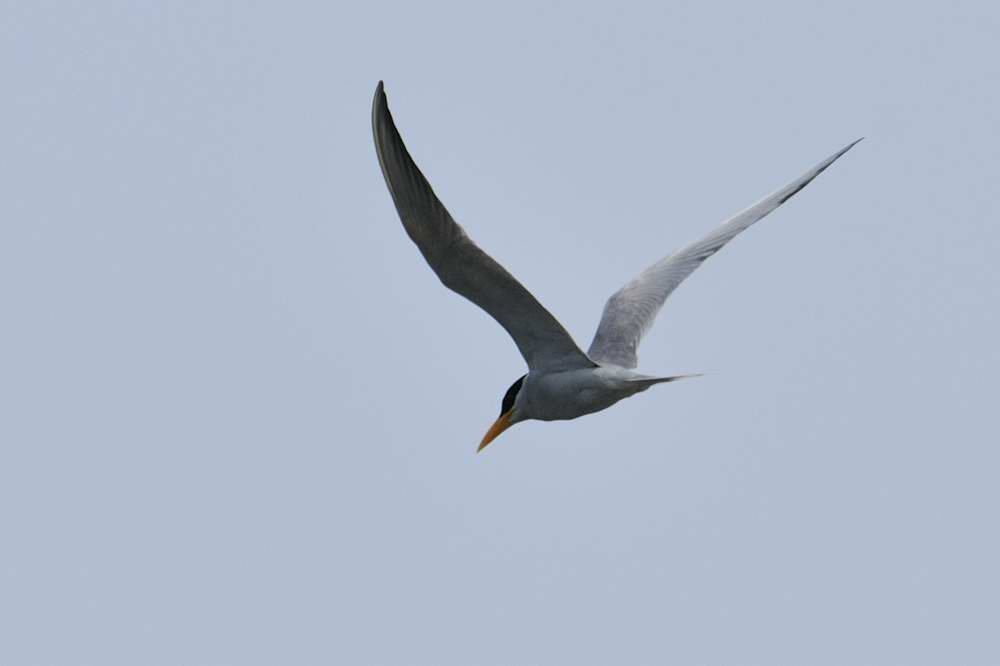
pixel 562 381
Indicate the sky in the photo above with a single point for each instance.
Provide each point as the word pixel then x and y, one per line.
pixel 240 413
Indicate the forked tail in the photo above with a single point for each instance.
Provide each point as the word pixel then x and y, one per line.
pixel 646 382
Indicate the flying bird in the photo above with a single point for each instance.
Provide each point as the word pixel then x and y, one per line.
pixel 562 381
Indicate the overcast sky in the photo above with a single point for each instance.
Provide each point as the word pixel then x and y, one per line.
pixel 240 414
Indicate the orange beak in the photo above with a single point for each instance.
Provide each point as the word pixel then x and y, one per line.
pixel 498 427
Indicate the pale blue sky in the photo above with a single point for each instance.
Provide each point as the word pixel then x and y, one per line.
pixel 240 413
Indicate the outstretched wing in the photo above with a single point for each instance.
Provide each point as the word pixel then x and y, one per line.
pixel 460 264
pixel 630 312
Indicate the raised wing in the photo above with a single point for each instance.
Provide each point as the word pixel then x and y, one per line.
pixel 630 312
pixel 460 264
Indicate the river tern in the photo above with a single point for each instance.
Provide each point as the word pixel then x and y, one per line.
pixel 562 381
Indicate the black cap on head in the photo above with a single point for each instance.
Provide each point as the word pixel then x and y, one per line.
pixel 511 395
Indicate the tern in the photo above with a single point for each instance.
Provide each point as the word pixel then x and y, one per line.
pixel 562 381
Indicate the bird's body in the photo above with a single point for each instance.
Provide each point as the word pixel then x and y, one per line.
pixel 569 394
pixel 560 396
pixel 562 381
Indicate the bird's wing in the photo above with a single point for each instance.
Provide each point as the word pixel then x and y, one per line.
pixel 630 312
pixel 460 264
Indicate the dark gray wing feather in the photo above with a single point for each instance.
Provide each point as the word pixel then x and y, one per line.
pixel 460 264
pixel 630 312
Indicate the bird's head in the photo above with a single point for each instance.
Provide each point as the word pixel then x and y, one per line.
pixel 509 413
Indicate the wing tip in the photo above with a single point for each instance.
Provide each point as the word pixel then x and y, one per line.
pixel 380 110
pixel 840 153
pixel 822 166
pixel 837 155
pixel 851 145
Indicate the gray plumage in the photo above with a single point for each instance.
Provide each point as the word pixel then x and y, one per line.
pixel 629 313
pixel 460 264
pixel 562 382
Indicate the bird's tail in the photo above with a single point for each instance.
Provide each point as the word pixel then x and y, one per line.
pixel 646 382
